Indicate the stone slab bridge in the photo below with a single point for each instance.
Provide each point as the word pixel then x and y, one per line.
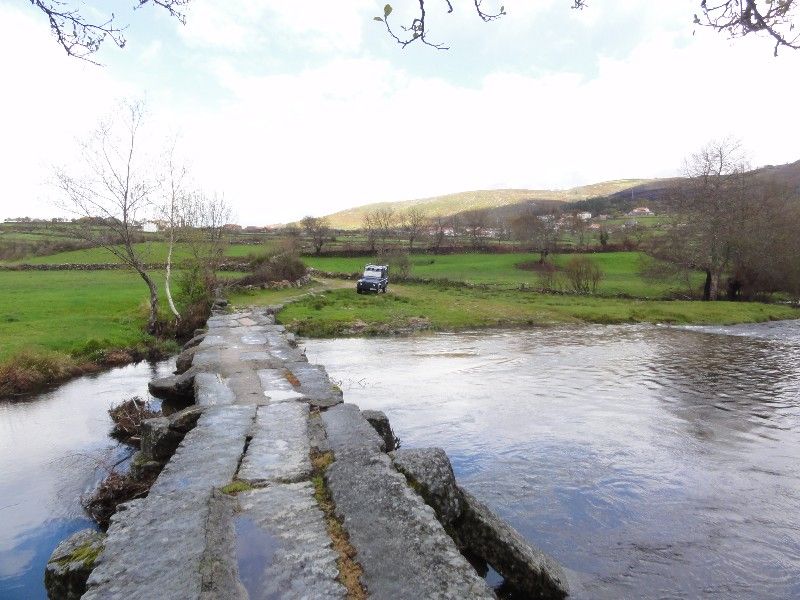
pixel 271 487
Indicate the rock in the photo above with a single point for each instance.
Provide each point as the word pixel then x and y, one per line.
pixel 403 549
pixel 184 361
pixel 291 339
pixel 529 570
pixel 184 421
pixel 348 431
pixel 143 469
pixel 380 422
pixel 71 563
pixel 195 341
pixel 200 331
pixel 158 440
pixel 174 387
pixel 430 473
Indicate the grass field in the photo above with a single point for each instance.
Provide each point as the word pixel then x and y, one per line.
pixel 151 252
pixel 74 312
pixel 620 269
pixel 438 307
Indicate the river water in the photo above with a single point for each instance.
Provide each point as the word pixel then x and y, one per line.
pixel 52 451
pixel 651 462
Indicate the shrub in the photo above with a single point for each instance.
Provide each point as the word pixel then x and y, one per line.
pixel 399 263
pixel 277 267
pixel 582 275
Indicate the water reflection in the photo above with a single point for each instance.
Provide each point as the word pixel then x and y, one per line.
pixel 652 462
pixel 50 447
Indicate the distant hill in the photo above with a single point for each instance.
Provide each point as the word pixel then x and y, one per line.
pixel 451 204
pixel 609 196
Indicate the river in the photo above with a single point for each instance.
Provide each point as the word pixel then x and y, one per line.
pixel 52 451
pixel 652 462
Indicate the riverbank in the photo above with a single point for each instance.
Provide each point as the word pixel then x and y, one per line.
pixel 58 325
pixel 329 309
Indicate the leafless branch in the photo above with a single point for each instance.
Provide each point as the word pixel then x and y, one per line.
pixel 742 17
pixel 81 37
pixel 417 30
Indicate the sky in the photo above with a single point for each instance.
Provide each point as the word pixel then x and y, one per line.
pixel 306 107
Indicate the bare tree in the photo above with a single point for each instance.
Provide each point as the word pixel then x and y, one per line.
pixel 173 201
pixel 476 224
pixel 370 229
pixel 113 192
pixel 711 207
pixel 379 226
pixel 203 218
pixel 539 230
pixel 438 226
pixel 82 33
pixel 318 229
pixel 413 222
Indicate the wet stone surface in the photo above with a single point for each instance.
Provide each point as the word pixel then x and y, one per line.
pixel 283 548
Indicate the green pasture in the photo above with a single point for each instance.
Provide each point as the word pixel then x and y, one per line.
pixel 75 312
pixel 333 312
pixel 150 252
pixel 621 271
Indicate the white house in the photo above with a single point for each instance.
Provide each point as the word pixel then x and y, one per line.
pixel 584 216
pixel 641 211
pixel 149 227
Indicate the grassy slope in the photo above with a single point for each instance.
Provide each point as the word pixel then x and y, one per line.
pixel 335 311
pixel 65 310
pixel 453 203
pixel 621 271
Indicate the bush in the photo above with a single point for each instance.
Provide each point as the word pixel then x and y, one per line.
pixel 582 275
pixel 399 263
pixel 277 267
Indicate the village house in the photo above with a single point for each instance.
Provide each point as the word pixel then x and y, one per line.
pixel 641 211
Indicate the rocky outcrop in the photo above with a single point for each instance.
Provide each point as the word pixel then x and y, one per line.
pixel 429 472
pixel 71 563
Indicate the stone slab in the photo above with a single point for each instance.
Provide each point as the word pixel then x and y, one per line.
pixel 209 454
pixel 315 383
pixel 432 474
pixel 279 450
pixel 348 431
pixel 156 547
pixel 211 390
pixel 530 570
pixel 403 549
pixel 283 547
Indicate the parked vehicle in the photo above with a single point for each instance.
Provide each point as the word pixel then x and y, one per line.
pixel 375 279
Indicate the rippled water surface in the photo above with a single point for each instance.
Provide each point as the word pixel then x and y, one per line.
pixel 651 462
pixel 50 450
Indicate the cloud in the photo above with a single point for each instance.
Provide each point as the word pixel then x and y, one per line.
pixel 250 25
pixel 362 122
pixel 48 101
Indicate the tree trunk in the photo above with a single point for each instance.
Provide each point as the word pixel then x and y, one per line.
pixel 167 278
pixel 152 320
pixel 711 285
